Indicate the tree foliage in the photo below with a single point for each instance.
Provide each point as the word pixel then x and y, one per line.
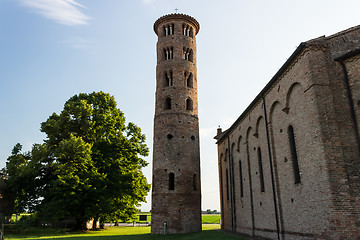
pixel 89 166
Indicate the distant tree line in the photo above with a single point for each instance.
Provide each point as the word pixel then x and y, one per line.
pixel 209 211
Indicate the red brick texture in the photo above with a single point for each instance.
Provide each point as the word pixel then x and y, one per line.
pixel 176 188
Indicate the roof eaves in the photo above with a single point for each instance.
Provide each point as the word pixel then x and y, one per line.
pixel 283 68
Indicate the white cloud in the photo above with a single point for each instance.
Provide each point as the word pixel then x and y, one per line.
pixel 62 11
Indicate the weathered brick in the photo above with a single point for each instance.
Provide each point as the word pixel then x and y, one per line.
pixel 176 129
pixel 317 92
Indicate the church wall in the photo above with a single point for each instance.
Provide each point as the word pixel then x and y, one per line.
pixel 353 71
pixel 311 97
pixel 304 205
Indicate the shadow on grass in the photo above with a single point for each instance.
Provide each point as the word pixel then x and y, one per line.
pixel 204 235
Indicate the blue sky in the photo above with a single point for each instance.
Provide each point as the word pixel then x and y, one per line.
pixel 51 50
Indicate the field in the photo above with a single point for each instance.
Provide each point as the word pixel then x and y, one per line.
pixel 210 232
pixel 211 218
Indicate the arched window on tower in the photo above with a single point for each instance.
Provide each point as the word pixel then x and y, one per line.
pixel 187 54
pixel 172 29
pixel 171 181
pixel 168 53
pixel 187 30
pixel 168 79
pixel 169 29
pixel 188 79
pixel 189 104
pixel 294 156
pixel 167 103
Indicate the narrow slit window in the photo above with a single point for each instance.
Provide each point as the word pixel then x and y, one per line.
pixel 171 29
pixel 294 156
pixel 189 80
pixel 188 54
pixel 185 53
pixel 227 185
pixel 241 180
pixel 189 104
pixel 194 182
pixel 184 29
pixel 171 78
pixel 169 53
pixel 261 172
pixel 171 181
pixel 168 79
pixel 166 54
pixel 167 103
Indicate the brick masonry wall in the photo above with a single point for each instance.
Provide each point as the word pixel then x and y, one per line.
pixel 176 152
pixel 309 95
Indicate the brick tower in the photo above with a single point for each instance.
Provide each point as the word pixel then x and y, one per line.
pixel 176 191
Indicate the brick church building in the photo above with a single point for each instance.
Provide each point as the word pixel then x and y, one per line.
pixel 289 166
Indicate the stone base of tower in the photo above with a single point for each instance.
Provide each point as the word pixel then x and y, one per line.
pixel 181 214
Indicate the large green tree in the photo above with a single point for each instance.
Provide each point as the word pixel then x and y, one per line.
pixel 22 183
pixel 90 165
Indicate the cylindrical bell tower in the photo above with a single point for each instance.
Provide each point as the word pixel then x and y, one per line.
pixel 176 188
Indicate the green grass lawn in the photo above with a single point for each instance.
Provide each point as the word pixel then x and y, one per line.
pixel 211 218
pixel 210 232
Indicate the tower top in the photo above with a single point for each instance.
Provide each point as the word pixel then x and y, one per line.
pixel 177 16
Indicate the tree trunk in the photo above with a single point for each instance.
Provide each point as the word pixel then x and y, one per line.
pixel 95 220
pixel 80 225
pixel 102 223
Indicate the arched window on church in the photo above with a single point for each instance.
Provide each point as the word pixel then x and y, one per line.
pixel 194 182
pixel 241 180
pixel 294 156
pixel 227 185
pixel 171 181
pixel 261 172
pixel 189 104
pixel 167 103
